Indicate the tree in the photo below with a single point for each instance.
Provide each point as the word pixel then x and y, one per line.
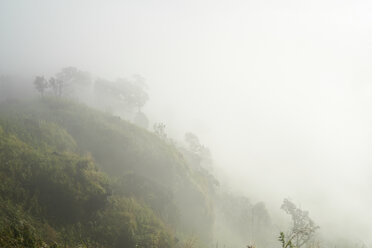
pixel 133 92
pixel 123 95
pixel 201 152
pixel 193 142
pixel 303 227
pixel 159 129
pixel 56 85
pixel 41 84
pixel 74 75
pixel 139 89
pixel 70 77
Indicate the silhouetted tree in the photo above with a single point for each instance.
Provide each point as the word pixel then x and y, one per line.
pixel 41 84
pixel 56 85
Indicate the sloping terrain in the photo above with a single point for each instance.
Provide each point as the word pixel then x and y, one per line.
pixel 71 176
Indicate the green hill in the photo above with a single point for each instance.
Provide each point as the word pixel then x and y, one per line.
pixel 73 176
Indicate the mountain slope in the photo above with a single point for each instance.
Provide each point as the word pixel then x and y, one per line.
pixel 103 179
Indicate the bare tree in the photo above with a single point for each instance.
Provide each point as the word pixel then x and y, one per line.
pixel 303 227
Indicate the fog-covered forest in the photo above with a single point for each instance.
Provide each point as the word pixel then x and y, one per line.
pixel 185 124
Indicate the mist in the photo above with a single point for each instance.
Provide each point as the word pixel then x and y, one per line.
pixel 279 91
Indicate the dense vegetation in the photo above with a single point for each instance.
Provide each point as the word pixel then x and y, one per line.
pixel 73 176
pixel 77 174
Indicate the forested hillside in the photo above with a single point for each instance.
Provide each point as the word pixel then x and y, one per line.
pixel 71 176
pixel 185 124
pixel 88 177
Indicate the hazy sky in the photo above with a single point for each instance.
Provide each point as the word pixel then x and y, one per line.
pixel 279 90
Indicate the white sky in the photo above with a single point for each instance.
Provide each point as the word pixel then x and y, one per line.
pixel 279 90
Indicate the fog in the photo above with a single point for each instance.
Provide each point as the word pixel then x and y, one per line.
pixel 280 91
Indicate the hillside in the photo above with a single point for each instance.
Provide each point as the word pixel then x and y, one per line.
pixel 74 176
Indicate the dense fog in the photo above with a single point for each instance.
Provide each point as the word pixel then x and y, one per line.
pixel 279 91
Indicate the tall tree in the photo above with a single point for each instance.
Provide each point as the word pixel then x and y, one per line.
pixel 56 85
pixel 41 84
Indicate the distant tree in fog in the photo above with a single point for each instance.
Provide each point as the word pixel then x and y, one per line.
pixel 133 92
pixel 159 129
pixel 70 78
pixel 67 78
pixel 56 85
pixel 73 75
pixel 194 146
pixel 193 142
pixel 303 227
pixel 41 84
pixel 140 95
pixel 123 95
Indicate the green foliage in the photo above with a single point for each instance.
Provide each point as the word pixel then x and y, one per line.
pixel 17 229
pixel 116 145
pixel 21 235
pixel 64 185
pixel 95 180
pixel 286 243
pixel 41 134
pixel 152 194
pixel 126 223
